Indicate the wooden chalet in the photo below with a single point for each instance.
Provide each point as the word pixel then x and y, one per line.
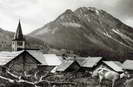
pixel 115 66
pixel 90 63
pixel 17 61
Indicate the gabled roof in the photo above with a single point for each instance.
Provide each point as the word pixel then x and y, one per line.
pixel 90 62
pixel 128 65
pixel 38 55
pixel 52 59
pixel 115 65
pixel 46 59
pixel 65 65
pixel 78 59
pixel 6 56
pixel 19 35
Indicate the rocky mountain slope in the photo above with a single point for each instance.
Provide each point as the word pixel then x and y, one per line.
pixel 6 40
pixel 90 31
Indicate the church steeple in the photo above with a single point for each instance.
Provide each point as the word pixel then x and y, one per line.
pixel 19 34
pixel 18 42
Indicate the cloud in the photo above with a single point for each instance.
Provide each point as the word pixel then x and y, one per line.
pixel 125 7
pixel 35 13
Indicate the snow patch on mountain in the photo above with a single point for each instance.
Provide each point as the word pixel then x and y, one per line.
pixel 107 34
pixel 71 24
pixel 122 35
pixel 94 10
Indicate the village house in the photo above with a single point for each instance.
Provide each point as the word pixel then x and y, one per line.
pixel 86 63
pixel 39 56
pixel 115 66
pixel 18 61
pixel 90 63
pixel 4 44
pixel 128 66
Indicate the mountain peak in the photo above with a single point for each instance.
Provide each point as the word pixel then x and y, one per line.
pixel 68 11
pixel 89 29
pixel 67 16
pixel 86 10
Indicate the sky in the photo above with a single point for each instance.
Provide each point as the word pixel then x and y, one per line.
pixel 36 13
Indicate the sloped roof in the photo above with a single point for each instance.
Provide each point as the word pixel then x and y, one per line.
pixel 90 62
pixel 64 65
pixel 38 55
pixel 46 59
pixel 115 65
pixel 6 56
pixel 52 59
pixel 19 35
pixel 78 59
pixel 128 65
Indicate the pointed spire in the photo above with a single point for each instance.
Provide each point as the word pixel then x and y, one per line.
pixel 19 35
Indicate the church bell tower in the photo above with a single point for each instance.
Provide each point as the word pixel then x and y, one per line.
pixel 18 42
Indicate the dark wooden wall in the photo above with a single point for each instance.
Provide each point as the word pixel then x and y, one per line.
pixel 23 62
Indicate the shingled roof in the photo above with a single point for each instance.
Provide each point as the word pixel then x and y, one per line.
pixel 90 62
pixel 6 56
pixel 65 65
pixel 128 65
pixel 115 65
pixel 46 59
pixel 38 55
pixel 52 59
pixel 78 59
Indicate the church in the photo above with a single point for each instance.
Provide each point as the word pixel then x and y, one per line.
pixel 18 42
pixel 19 59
